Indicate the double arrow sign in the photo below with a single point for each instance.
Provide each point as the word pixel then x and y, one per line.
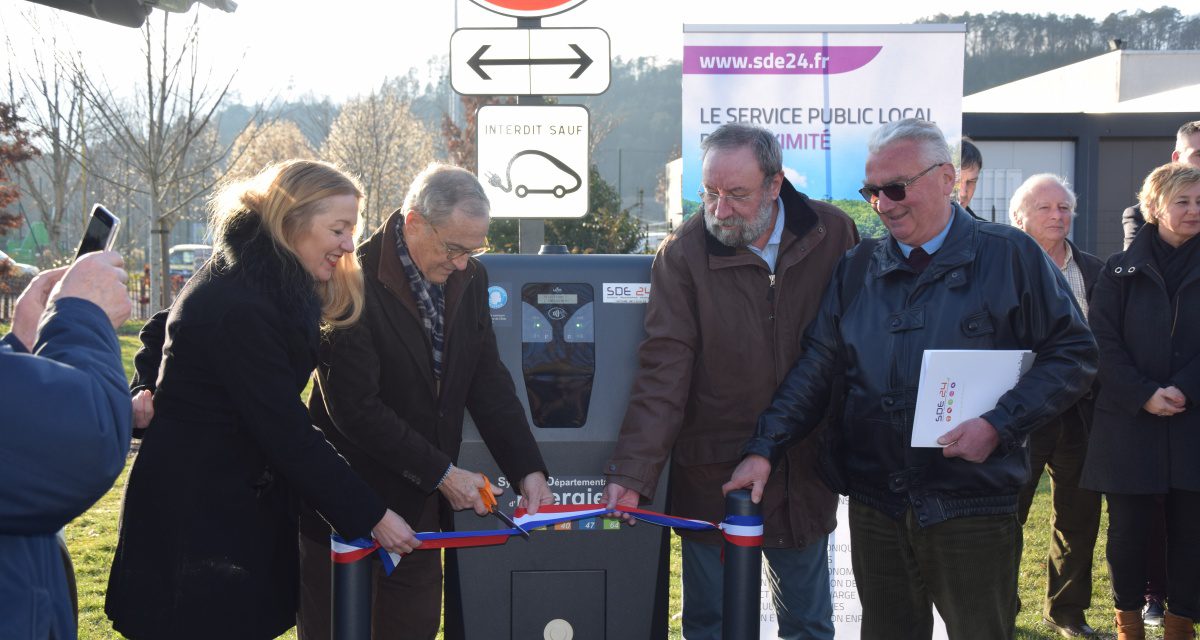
pixel 529 61
pixel 581 60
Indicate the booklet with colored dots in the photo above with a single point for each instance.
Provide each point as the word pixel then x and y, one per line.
pixel 959 384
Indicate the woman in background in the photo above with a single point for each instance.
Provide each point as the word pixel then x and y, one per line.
pixel 1145 439
pixel 208 541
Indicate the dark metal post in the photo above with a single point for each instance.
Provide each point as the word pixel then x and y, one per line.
pixel 743 571
pixel 351 585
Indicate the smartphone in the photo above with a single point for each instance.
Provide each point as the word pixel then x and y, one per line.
pixel 101 231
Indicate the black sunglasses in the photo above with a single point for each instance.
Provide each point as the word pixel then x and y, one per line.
pixel 894 191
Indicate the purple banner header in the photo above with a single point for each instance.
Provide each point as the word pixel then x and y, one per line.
pixel 727 60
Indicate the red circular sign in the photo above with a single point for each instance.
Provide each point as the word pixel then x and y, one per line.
pixel 528 8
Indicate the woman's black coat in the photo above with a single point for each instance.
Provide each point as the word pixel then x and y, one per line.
pixel 1147 340
pixel 208 542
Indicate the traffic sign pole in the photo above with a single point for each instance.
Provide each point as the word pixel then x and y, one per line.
pixel 531 232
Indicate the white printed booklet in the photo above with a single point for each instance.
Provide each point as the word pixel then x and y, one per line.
pixel 957 385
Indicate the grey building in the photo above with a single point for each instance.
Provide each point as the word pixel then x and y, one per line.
pixel 1103 123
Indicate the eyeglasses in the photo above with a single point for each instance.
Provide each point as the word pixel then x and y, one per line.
pixel 455 252
pixel 894 191
pixel 712 199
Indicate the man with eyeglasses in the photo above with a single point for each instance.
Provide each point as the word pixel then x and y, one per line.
pixel 928 526
pixel 733 289
pixel 391 390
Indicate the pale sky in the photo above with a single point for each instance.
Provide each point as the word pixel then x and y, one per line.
pixel 341 48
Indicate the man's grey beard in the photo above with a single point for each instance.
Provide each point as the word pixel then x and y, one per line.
pixel 744 231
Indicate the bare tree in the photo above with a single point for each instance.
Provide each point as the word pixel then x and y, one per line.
pixel 664 177
pixel 259 146
pixel 315 118
pixel 377 138
pixel 462 140
pixel 56 112
pixel 124 192
pixel 167 134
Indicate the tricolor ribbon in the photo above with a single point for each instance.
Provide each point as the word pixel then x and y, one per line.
pixel 744 531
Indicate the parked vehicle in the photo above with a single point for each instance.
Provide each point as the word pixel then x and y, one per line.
pixel 8 264
pixel 184 259
pixel 14 276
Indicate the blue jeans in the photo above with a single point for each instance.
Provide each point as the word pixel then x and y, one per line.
pixel 799 590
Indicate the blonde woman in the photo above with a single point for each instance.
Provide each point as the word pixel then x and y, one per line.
pixel 208 542
pixel 1145 437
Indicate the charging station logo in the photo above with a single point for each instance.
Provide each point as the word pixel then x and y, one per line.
pixel 497 297
pixel 627 292
pixel 944 411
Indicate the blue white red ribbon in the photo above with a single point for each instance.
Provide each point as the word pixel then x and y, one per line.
pixel 744 531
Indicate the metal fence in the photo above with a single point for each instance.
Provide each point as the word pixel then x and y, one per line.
pixel 138 286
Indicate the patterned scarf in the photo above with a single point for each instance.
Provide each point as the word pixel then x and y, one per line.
pixel 431 300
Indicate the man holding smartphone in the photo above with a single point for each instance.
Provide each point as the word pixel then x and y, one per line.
pixel 64 431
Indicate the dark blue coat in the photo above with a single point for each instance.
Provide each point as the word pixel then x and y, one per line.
pixel 64 435
pixel 1147 340
pixel 990 286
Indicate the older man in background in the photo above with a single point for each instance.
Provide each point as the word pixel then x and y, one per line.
pixel 1044 206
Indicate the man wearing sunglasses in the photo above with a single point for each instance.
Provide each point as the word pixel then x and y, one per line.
pixel 391 390
pixel 734 288
pixel 928 526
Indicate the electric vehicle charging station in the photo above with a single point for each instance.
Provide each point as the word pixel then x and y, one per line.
pixel 568 328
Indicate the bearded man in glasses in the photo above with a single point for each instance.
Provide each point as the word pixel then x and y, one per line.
pixel 733 290
pixel 391 389
pixel 929 526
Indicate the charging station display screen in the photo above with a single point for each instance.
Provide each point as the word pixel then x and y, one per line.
pixel 557 298
pixel 558 351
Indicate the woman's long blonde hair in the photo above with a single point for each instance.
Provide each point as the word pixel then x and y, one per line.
pixel 285 196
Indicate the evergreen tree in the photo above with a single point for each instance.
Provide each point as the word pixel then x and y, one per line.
pixel 607 228
pixel 1002 47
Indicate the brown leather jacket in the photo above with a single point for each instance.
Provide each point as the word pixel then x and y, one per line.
pixel 722 334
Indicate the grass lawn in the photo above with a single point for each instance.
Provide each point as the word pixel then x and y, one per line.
pixel 92 538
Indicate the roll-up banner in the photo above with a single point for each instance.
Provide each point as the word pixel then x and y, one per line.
pixel 822 90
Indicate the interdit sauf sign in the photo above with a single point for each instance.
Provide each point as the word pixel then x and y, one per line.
pixel 822 91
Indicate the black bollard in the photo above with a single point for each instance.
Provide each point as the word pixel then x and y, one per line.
pixel 351 585
pixel 743 567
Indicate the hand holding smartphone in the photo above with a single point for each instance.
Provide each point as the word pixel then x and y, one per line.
pixel 101 231
pixel 100 280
